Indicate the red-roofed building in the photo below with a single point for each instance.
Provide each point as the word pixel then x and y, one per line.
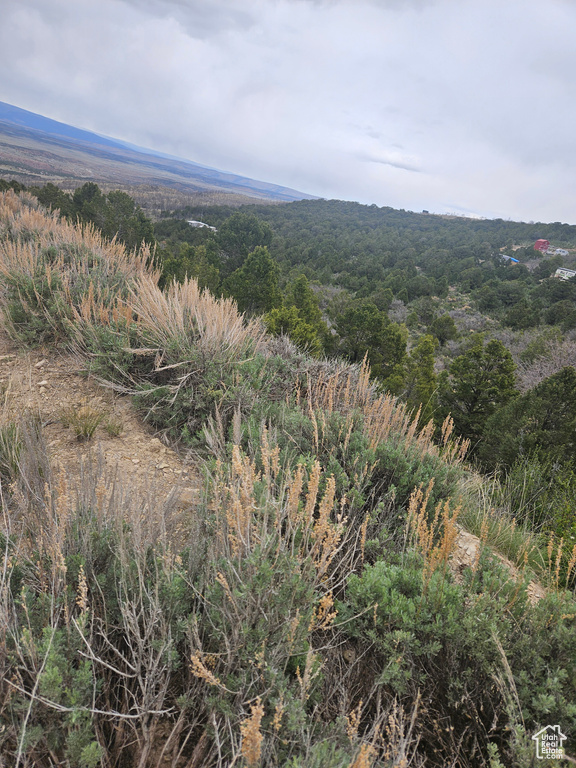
pixel 541 245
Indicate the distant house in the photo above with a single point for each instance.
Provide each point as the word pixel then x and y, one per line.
pixel 565 274
pixel 560 252
pixel 541 245
pixel 199 224
pixel 509 258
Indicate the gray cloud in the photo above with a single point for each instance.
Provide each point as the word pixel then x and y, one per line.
pixel 201 19
pixel 394 159
pixel 339 98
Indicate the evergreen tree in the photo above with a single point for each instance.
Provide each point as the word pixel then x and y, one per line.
pixel 255 284
pixel 189 261
pixel 421 380
pixel 365 330
pixel 288 320
pixel 544 418
pixel 444 328
pixel 481 381
pixel 304 299
pixel 239 236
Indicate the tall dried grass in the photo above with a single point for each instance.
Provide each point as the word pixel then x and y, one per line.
pixel 286 509
pixel 184 315
pixel 349 389
pixel 436 539
pixel 53 267
pixel 26 223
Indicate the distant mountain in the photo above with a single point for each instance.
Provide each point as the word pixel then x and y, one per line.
pixel 35 149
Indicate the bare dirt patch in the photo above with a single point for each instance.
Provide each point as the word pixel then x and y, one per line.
pixel 51 385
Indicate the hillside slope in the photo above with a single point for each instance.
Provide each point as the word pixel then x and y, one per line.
pixel 304 609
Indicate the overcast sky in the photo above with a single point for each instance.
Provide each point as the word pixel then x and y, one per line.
pixel 447 105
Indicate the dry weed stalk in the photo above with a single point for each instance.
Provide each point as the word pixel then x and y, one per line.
pixel 292 514
pixel 323 616
pixel 326 535
pixel 401 743
pixel 363 531
pixel 349 390
pixel 270 456
pixel 201 671
pixel 252 737
pixel 241 503
pixel 353 722
pixel 365 757
pixel 571 565
pixel 435 540
pixel 278 712
pixel 312 669
pixel 82 593
pixel 555 562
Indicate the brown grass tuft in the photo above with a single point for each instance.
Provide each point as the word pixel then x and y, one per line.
pixel 436 539
pixel 252 736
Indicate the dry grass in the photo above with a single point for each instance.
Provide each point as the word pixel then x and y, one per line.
pixel 436 539
pixel 32 229
pixel 185 315
pixel 252 736
pixel 558 556
pixel 82 273
pixel 287 508
pixel 349 389
pixel 83 421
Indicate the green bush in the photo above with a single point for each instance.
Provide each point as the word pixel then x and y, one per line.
pixel 467 650
pixel 35 307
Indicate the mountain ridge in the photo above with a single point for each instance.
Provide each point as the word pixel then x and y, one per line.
pixel 38 148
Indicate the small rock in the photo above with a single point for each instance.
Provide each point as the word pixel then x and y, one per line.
pixel 135 461
pixel 42 390
pixel 40 364
pixel 43 383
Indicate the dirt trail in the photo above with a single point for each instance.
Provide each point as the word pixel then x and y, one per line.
pixel 50 384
